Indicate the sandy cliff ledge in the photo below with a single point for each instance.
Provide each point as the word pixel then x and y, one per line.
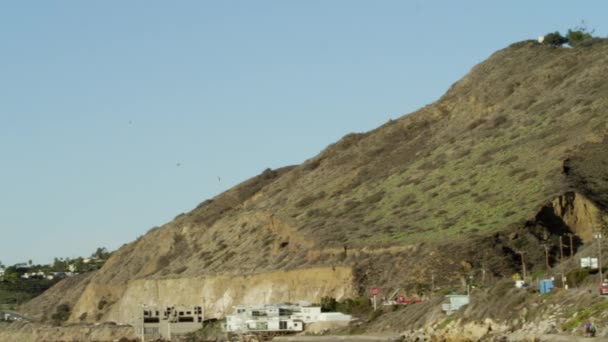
pixel 218 294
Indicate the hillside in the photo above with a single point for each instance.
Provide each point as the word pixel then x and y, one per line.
pixel 512 156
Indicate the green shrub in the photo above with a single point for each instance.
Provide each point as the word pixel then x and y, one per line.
pixel 578 36
pixel 355 306
pixel 376 314
pixel 581 314
pixel 62 313
pixel 554 39
pixel 328 304
pixel 576 277
pixel 102 304
pixel 445 322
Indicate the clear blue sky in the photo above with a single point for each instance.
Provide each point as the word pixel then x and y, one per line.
pixel 101 100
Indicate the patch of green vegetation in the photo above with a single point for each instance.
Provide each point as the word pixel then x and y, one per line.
pixel 17 291
pixel 211 331
pixel 471 202
pixel 577 276
pixel 328 304
pixel 578 36
pixel 537 274
pixel 445 322
pixel 582 314
pixel 359 306
pixel 62 313
pixel 102 304
pixel 7 307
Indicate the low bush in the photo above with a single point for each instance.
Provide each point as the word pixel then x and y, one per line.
pixel 355 306
pixel 554 39
pixel 102 304
pixel 578 36
pixel 576 277
pixel 328 304
pixel 62 313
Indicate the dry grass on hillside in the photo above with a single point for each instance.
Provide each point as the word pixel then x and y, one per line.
pixel 482 160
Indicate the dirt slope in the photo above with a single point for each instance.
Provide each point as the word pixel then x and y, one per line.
pixel 513 155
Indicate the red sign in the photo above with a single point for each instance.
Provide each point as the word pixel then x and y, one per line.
pixel 374 291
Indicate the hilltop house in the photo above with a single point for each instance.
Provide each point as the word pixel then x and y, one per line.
pixel 33 275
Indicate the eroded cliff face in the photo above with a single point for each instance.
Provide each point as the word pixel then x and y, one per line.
pixel 217 294
pixel 580 214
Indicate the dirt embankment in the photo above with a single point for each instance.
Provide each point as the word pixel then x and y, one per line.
pixel 33 332
pixel 67 291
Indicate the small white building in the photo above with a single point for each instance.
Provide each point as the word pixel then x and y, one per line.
pixel 277 318
pixel 454 303
pixel 263 319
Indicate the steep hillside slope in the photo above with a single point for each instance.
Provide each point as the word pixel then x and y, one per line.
pixel 511 156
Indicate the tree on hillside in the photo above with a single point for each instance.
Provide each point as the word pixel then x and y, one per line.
pixel 62 313
pixel 580 34
pixel 11 274
pixel 577 37
pixel 101 253
pixel 60 265
pixel 554 39
pixel 328 304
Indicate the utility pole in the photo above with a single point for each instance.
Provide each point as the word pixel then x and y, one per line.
pixel 143 325
pixel 547 258
pixel 598 237
pixel 571 245
pixel 523 266
pixel 561 249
